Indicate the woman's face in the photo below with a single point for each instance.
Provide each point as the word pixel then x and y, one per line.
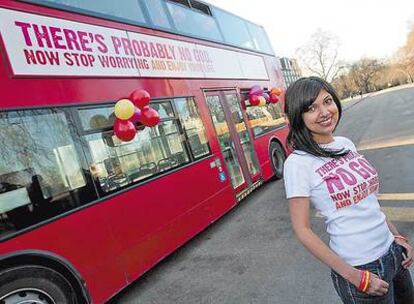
pixel 322 117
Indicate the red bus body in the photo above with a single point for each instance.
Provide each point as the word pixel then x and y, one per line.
pixel 111 242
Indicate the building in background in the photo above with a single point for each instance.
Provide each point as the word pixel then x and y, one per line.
pixel 290 69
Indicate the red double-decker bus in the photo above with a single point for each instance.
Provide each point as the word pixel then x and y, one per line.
pixel 83 213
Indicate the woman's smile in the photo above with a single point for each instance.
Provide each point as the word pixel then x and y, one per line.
pixel 326 122
pixel 322 117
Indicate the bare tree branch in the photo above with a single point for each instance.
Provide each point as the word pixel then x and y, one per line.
pixel 320 55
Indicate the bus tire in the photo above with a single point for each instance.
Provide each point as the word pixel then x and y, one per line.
pixel 277 159
pixel 35 284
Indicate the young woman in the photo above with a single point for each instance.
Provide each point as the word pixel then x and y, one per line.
pixel 368 256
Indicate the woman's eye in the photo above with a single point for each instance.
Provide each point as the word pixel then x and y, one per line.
pixel 328 101
pixel 311 109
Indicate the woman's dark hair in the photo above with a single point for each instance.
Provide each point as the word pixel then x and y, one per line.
pixel 299 96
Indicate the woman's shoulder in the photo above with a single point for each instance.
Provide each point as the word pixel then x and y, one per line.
pixel 345 141
pixel 299 157
pixel 298 163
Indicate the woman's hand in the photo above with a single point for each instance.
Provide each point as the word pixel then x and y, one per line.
pixel 408 254
pixel 377 287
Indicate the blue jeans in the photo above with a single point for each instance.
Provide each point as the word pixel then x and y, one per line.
pixel 388 268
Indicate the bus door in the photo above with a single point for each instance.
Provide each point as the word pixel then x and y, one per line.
pixel 235 142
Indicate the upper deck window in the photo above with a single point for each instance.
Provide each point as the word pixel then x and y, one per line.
pixel 234 29
pixel 128 10
pixel 259 37
pixel 158 13
pixel 201 7
pixel 193 22
pixel 195 5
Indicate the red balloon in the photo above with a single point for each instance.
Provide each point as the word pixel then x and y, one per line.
pixel 124 129
pixel 140 98
pixel 273 98
pixel 149 117
pixel 254 100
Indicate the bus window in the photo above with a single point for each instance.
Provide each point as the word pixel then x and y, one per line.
pixel 157 13
pixel 259 38
pixel 193 126
pixel 164 109
pixel 116 164
pixel 98 118
pixel 265 119
pixel 128 10
pixel 192 22
pixel 234 29
pixel 40 173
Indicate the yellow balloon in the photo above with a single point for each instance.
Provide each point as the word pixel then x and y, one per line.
pixel 262 101
pixel 124 109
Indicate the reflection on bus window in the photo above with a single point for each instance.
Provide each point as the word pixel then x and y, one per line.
pixel 157 13
pixel 247 146
pixel 234 29
pixel 193 125
pixel 40 173
pixel 226 142
pixel 97 118
pixel 259 38
pixel 265 119
pixel 192 22
pixel 164 109
pixel 116 164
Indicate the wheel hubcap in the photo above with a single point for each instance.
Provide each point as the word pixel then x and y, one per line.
pixel 27 296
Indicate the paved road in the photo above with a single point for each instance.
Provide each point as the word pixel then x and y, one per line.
pixel 251 256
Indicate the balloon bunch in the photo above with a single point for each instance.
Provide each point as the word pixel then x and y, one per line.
pixel 129 111
pixel 274 95
pixel 258 97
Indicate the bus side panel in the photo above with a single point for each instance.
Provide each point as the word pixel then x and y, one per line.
pixel 90 248
pixel 151 221
pixel 124 237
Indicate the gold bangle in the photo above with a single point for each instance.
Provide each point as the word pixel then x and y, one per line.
pixel 368 274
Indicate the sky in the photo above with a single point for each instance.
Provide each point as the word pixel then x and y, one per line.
pixel 365 28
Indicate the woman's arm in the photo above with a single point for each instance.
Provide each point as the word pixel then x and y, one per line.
pixel 393 229
pixel 409 252
pixel 299 214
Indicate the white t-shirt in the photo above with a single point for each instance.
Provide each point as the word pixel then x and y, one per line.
pixel 344 191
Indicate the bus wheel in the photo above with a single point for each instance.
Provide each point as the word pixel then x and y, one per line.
pixel 34 284
pixel 277 158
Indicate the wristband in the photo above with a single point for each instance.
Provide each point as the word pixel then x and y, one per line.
pixel 362 280
pixel 368 274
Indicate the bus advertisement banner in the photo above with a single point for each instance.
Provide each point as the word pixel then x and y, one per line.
pixel 45 46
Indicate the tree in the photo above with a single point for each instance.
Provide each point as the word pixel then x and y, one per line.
pixel 405 58
pixel 345 85
pixel 364 72
pixel 320 55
